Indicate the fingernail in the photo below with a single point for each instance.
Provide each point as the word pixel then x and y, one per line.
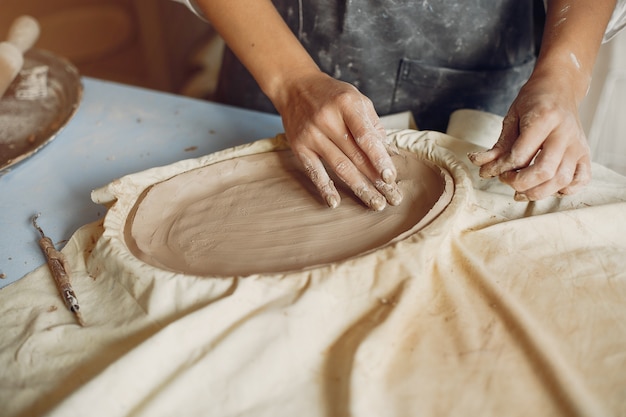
pixel 392 149
pixel 377 203
pixel 392 192
pixel 486 173
pixel 332 201
pixel 392 195
pixel 521 197
pixel 388 175
pixel 395 198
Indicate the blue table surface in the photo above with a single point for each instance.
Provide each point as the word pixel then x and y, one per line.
pixel 117 130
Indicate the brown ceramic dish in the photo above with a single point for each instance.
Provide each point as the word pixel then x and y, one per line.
pixel 26 125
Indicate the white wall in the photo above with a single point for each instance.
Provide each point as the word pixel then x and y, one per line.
pixel 603 113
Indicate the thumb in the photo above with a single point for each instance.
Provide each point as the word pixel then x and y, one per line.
pixel 488 160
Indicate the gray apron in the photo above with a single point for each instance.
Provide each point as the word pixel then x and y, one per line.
pixel 427 56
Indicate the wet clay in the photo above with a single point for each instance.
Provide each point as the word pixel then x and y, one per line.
pixel 260 214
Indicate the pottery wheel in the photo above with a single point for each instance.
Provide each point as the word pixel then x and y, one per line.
pixel 260 214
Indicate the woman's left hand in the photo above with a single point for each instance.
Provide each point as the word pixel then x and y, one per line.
pixel 542 149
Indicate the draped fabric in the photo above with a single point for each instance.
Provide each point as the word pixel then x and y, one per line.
pixel 497 308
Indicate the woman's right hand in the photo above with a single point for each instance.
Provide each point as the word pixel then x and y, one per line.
pixel 324 119
pixel 330 121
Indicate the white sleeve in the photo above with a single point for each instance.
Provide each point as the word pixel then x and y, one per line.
pixel 193 6
pixel 617 22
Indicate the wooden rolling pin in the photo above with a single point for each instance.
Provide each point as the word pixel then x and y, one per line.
pixel 23 34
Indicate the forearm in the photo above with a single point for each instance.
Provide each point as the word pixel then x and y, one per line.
pixel 262 41
pixel 572 36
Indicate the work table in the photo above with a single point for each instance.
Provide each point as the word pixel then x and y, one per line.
pixel 117 130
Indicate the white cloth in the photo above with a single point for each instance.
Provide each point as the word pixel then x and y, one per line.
pixel 497 308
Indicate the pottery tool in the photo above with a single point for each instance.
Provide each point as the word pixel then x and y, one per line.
pixel 23 34
pixel 59 268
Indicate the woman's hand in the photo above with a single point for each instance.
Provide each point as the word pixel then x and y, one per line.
pixel 542 149
pixel 330 121
pixel 324 119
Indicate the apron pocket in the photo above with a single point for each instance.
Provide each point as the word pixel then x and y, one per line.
pixel 433 93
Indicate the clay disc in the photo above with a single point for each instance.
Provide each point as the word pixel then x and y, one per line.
pixel 260 214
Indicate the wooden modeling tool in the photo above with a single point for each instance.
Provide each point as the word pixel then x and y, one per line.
pixel 59 268
pixel 23 34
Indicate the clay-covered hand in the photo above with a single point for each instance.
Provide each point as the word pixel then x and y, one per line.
pixel 329 123
pixel 542 149
pixel 324 119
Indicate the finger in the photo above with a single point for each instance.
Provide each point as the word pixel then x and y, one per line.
pixel 392 192
pixel 563 175
pixel 343 164
pixel 315 170
pixel 524 148
pixel 366 170
pixel 551 162
pixel 391 147
pixel 582 177
pixel 364 126
pixel 509 132
pixel 343 156
pixel 388 142
pixel 480 158
pixel 363 189
pixel 546 189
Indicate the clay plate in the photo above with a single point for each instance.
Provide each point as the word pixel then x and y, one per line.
pixel 260 214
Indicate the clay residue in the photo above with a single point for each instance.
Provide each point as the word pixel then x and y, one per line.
pixel 260 214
